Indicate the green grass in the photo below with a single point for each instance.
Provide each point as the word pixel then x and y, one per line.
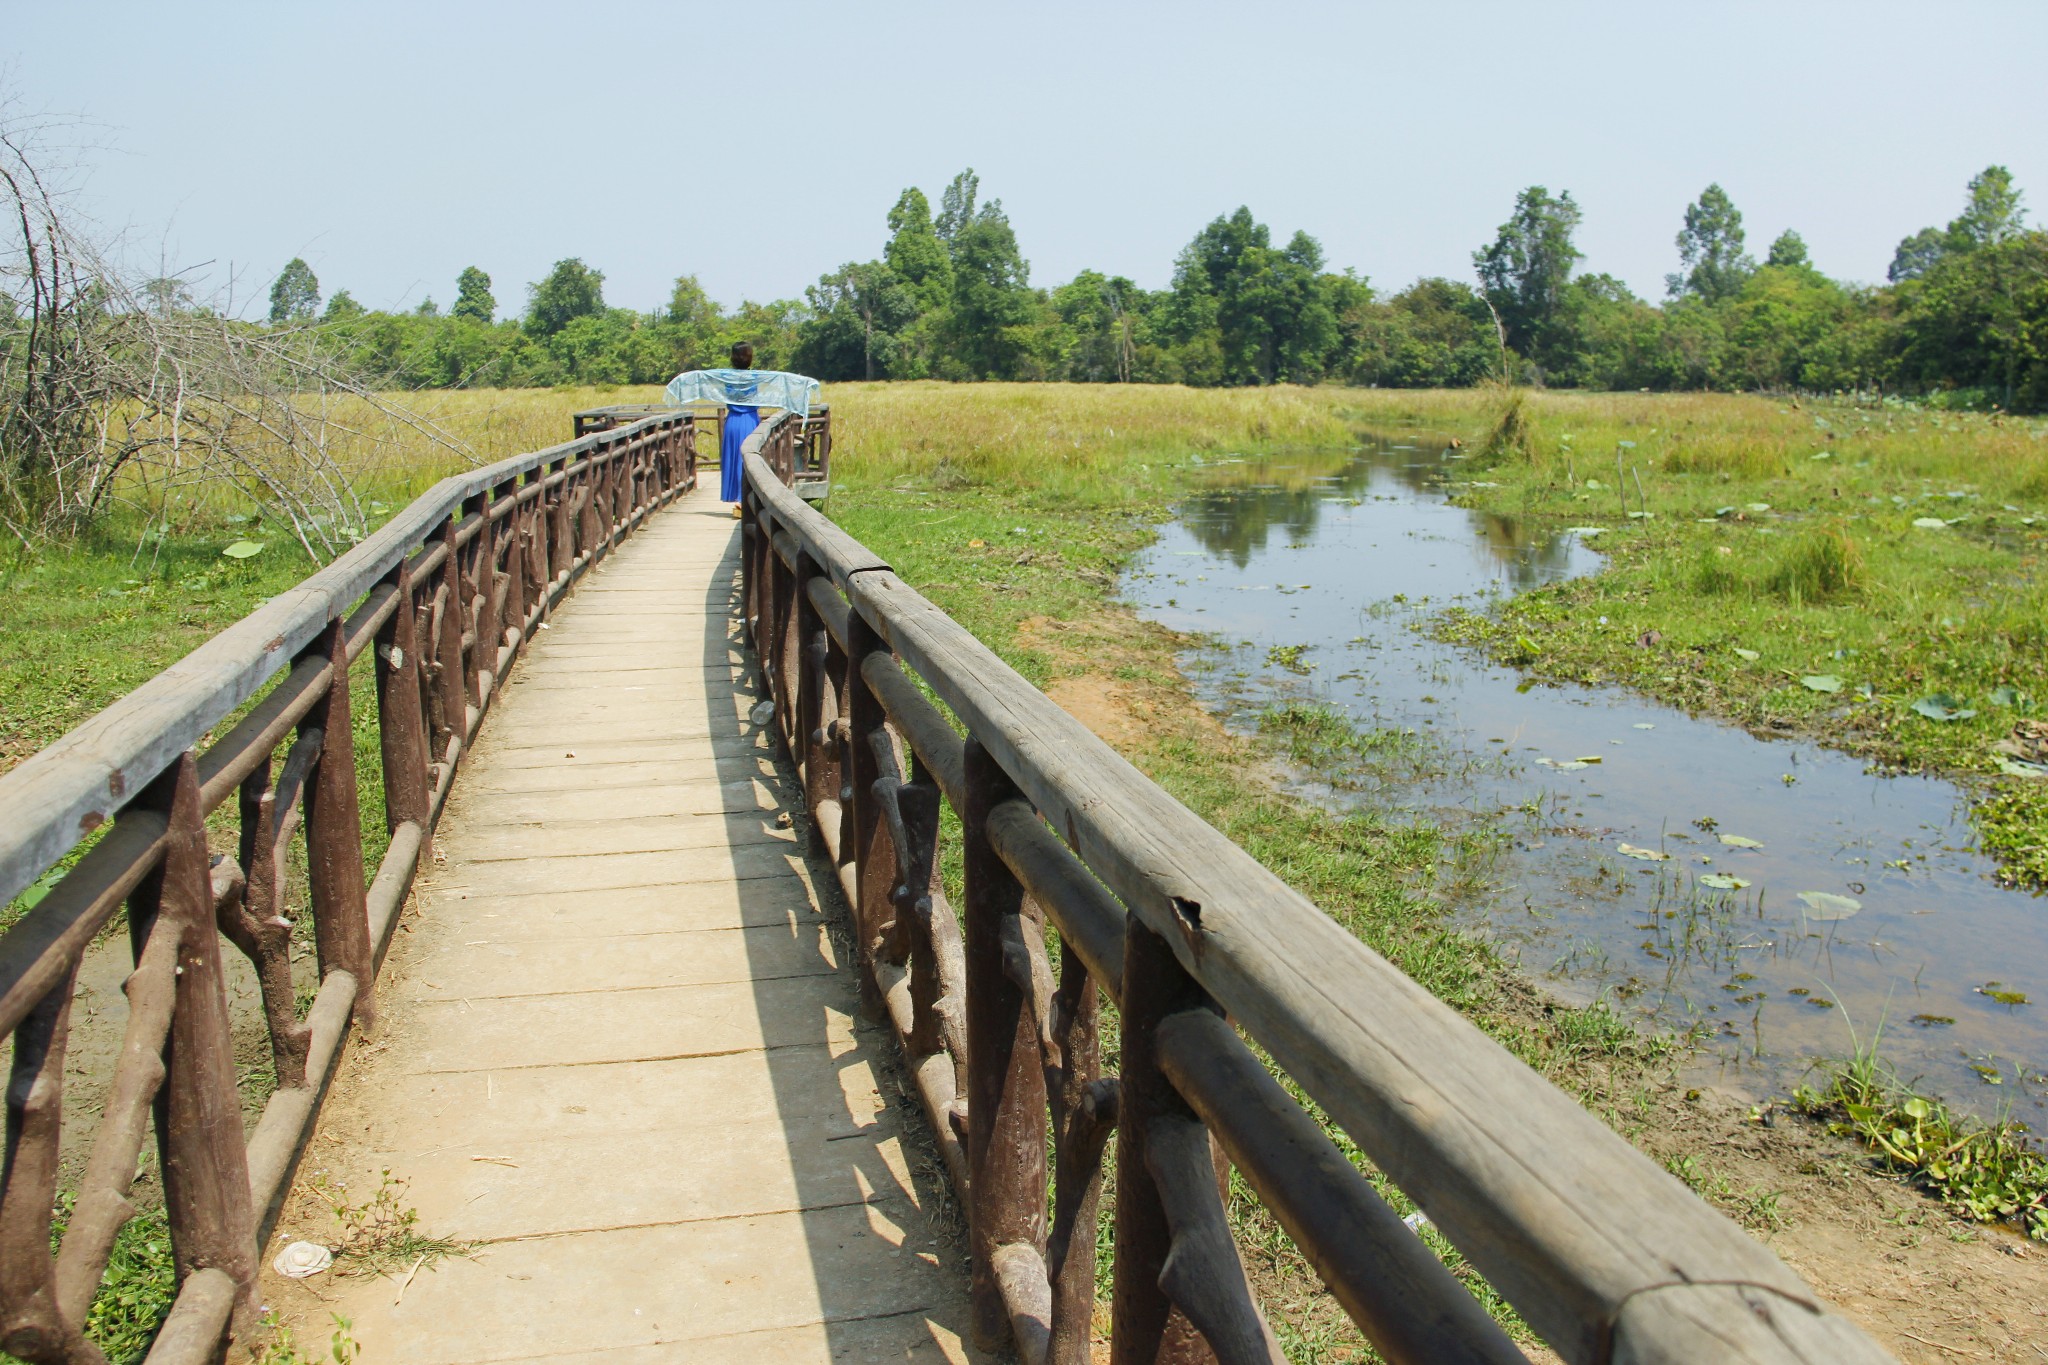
pixel 1987 1172
pixel 1763 564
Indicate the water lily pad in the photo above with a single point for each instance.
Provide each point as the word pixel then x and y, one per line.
pixel 1821 682
pixel 1728 511
pixel 2019 767
pixel 1942 707
pixel 1586 530
pixel 1737 841
pixel 244 549
pixel 2006 696
pixel 1759 507
pixel 1722 881
pixel 1930 523
pixel 1643 725
pixel 1827 906
pixel 1646 855
pixel 1748 654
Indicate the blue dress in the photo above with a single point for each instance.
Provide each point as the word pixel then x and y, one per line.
pixel 739 424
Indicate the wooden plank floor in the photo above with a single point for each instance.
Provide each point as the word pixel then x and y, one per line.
pixel 617 1049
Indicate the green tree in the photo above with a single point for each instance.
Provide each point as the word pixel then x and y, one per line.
pixel 917 254
pixel 1710 249
pixel 1993 215
pixel 343 308
pixel 855 314
pixel 1523 273
pixel 982 335
pixel 294 294
pixel 473 296
pixel 1916 255
pixel 1788 251
pixel 690 307
pixel 956 206
pixel 572 290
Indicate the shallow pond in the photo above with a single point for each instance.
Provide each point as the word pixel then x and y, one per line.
pixel 1312 577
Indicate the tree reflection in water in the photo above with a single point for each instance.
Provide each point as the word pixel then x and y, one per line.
pixel 1239 503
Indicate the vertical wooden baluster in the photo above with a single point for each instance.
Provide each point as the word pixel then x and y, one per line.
pixel 1145 1327
pixel 586 509
pixel 787 665
pixel 198 1110
pixel 334 837
pixel 540 558
pixel 874 852
pixel 1006 1104
pixel 498 582
pixel 518 555
pixel 454 669
pixel 811 685
pixel 31 1321
pixel 469 612
pixel 1082 1114
pixel 562 539
pixel 400 724
pixel 260 928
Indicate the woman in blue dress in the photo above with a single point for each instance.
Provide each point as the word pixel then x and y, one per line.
pixel 740 421
pixel 744 391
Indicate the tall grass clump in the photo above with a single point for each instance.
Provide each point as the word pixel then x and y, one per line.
pixel 1513 434
pixel 1819 565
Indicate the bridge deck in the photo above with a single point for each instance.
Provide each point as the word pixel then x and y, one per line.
pixel 616 1050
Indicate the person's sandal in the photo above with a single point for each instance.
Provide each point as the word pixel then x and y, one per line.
pixel 735 511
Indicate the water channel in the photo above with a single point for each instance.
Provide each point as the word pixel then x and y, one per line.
pixel 1345 555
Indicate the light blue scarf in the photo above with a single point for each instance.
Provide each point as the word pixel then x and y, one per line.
pixel 745 388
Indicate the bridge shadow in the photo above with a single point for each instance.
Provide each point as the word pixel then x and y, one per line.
pixel 880 1236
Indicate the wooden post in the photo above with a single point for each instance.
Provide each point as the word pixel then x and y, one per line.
pixel 198 1110
pixel 1006 1109
pixel 400 719
pixel 874 852
pixel 783 588
pixel 1145 1327
pixel 519 522
pixel 811 683
pixel 562 539
pixel 470 601
pixel 453 675
pixel 334 837
pixel 1083 1112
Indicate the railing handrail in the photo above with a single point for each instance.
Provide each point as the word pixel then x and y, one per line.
pixel 65 791
pixel 1605 1255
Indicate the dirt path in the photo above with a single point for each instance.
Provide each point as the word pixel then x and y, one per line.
pixel 618 1059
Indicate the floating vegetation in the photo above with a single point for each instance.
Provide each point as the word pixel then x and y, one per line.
pixel 1826 906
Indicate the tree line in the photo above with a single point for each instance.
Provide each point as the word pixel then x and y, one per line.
pixel 1962 315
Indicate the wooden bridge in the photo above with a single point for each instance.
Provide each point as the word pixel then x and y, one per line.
pixel 648 981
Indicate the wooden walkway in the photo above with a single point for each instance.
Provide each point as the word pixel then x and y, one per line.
pixel 616 1049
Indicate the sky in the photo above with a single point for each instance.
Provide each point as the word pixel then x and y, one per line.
pixel 758 146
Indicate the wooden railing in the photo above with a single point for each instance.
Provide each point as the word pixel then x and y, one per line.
pixel 443 596
pixel 799 451
pixel 1206 956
